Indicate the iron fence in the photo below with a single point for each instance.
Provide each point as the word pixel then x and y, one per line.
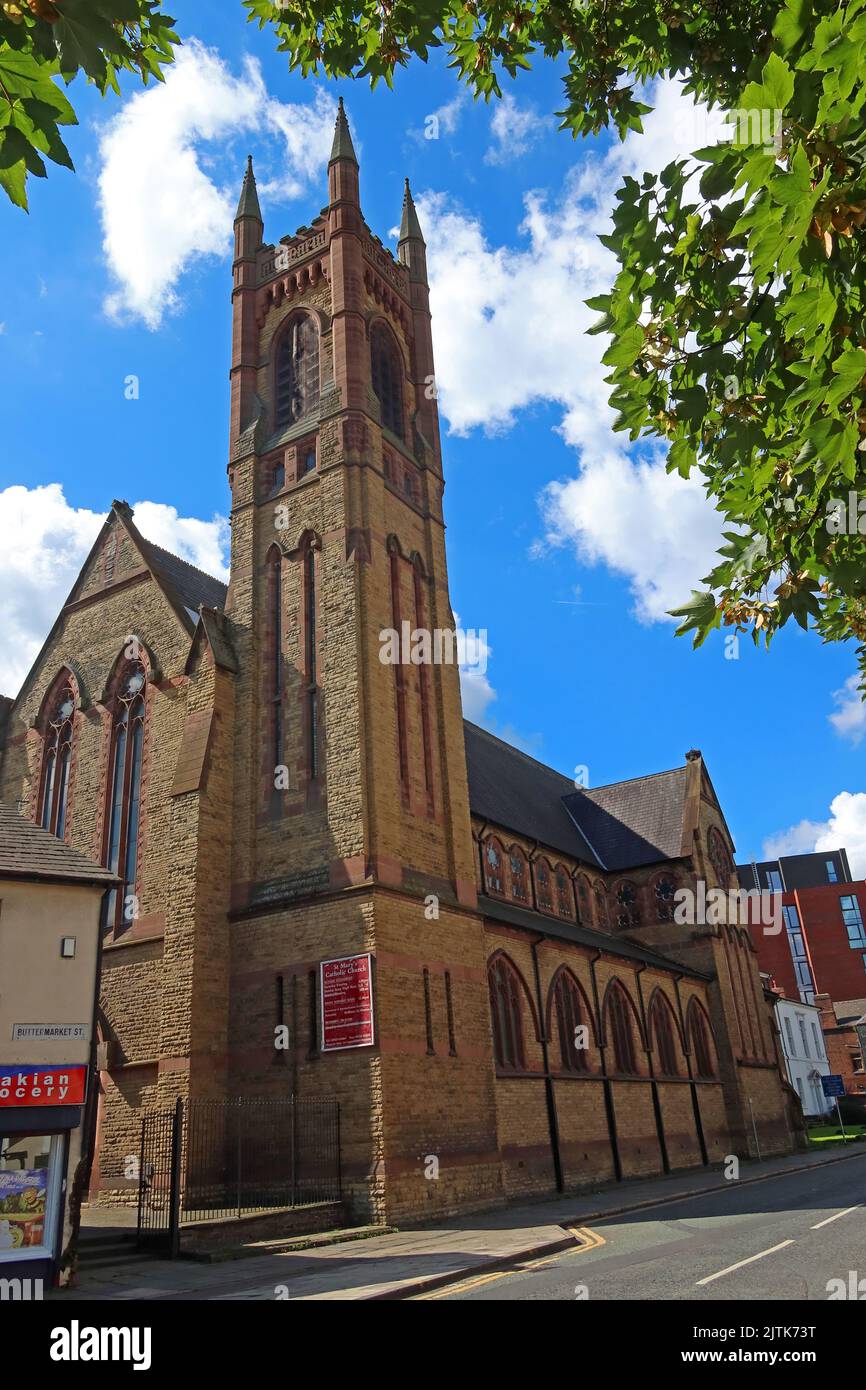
pixel 218 1159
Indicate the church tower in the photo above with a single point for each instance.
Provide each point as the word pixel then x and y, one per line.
pixel 350 820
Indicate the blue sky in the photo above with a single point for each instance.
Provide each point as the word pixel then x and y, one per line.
pixel 563 547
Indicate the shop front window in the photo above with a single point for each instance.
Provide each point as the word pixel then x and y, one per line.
pixel 29 1187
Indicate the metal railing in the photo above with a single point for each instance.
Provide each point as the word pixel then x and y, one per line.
pixel 214 1160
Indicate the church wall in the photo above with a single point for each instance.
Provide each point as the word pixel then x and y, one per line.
pixel 290 943
pixel 714 1120
pixel 678 1120
pixel 584 1136
pixel 636 1132
pixel 438 1104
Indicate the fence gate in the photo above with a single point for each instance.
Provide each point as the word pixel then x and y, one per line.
pixel 159 1180
pixel 215 1160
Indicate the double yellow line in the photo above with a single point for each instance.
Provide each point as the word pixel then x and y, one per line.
pixel 585 1240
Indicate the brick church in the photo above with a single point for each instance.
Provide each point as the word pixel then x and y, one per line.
pixel 272 795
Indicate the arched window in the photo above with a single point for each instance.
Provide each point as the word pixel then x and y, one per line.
pixel 124 804
pixel 543 891
pixel 720 858
pixel 506 1015
pixel 601 919
pixel 296 380
pixel 56 760
pixel 583 906
pixel 419 594
pixel 563 893
pixel 517 867
pixel 620 1031
pixel 386 366
pixel 627 915
pixel 699 1033
pixel 665 888
pixel 312 658
pixel 494 876
pixel 395 558
pixel 275 650
pixel 662 1033
pixel 570 1017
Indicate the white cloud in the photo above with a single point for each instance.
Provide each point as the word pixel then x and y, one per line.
pixel 473 654
pixel 845 828
pixel 514 129
pixel 510 330
pixel 161 209
pixel 477 693
pixel 43 544
pixel 444 120
pixel 849 719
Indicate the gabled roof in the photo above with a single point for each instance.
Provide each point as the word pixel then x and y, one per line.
pixel 518 793
pixel 214 625
pixel 184 586
pixel 27 851
pixel 621 826
pixel 189 587
pixel 633 823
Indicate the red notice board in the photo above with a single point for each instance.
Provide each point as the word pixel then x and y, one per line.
pixel 346 987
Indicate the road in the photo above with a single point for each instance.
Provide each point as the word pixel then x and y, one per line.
pixel 782 1238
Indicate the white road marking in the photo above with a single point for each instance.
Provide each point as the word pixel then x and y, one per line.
pixel 739 1265
pixel 856 1207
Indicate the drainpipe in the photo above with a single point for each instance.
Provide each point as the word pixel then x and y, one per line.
pixel 654 1085
pixel 687 1052
pixel 550 1095
pixel 608 1093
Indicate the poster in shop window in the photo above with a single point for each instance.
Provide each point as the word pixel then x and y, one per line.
pixel 346 1002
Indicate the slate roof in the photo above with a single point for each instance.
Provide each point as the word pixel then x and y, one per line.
pixel 515 791
pixel 620 826
pixel 27 851
pixel 215 625
pixel 530 920
pixel 633 823
pixel 849 1010
pixel 189 586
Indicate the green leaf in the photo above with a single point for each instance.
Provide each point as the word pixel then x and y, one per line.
pixel 625 348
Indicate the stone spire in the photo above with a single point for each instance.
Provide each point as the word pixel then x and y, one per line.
pixel 248 203
pixel 410 227
pixel 342 147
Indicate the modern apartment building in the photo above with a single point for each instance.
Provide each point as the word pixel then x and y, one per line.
pixel 823 947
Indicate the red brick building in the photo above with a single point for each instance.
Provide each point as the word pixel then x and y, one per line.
pixel 820 955
pixel 275 796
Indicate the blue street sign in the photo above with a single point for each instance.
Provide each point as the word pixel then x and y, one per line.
pixel 833 1085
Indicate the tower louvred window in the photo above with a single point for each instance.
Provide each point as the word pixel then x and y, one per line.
pixel 297 374
pixel 387 373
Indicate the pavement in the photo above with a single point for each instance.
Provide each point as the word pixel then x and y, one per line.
pixel 407 1264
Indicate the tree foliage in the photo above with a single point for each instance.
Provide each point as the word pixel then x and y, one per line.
pixel 737 316
pixel 737 320
pixel 44 43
